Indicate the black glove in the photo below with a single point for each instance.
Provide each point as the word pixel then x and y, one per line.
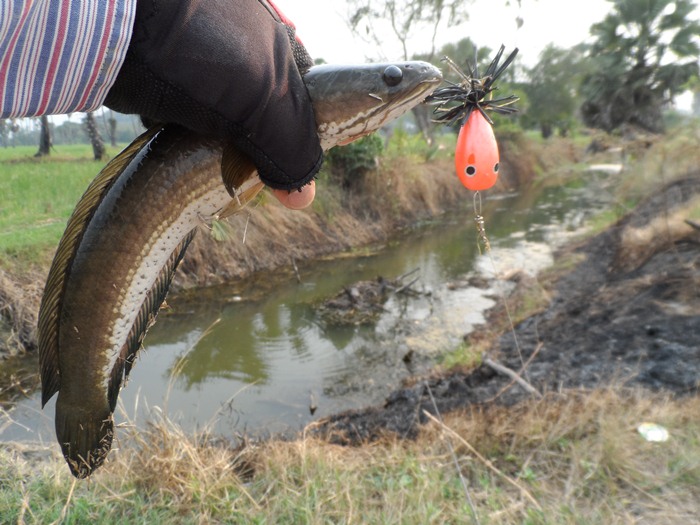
pixel 225 68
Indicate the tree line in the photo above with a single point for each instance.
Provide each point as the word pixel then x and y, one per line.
pixel 95 128
pixel 644 53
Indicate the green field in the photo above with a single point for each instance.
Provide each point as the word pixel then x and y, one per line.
pixel 38 196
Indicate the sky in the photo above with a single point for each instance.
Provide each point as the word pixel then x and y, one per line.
pixel 322 27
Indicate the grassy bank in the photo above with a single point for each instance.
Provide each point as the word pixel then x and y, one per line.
pixel 573 458
pixel 38 196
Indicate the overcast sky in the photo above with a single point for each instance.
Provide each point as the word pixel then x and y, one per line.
pixel 321 25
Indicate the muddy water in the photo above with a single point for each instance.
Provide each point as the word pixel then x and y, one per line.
pixel 256 358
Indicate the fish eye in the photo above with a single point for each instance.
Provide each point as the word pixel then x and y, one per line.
pixel 496 167
pixel 470 170
pixel 392 76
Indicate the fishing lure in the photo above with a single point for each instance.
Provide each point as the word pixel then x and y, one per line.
pixel 476 157
pixel 477 160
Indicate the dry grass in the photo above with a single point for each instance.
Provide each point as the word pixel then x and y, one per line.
pixel 20 296
pixel 576 454
pixel 583 459
pixel 653 163
pixel 638 243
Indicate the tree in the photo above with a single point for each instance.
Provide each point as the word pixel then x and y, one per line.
pixel 98 145
pixel 552 89
pixel 645 51
pixel 693 85
pixel 112 129
pixel 380 21
pixel 44 137
pixel 372 21
pixel 404 18
pixel 464 53
pixel 4 132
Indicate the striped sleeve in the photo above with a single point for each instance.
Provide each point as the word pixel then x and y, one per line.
pixel 60 56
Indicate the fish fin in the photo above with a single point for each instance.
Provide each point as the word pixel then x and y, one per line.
pixel 144 320
pixel 85 436
pixel 51 302
pixel 236 169
pixel 240 179
pixel 238 203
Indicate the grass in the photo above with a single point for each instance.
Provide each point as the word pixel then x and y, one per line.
pixel 38 196
pixel 571 458
pixel 467 355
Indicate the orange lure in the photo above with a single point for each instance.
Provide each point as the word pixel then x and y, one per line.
pixel 476 156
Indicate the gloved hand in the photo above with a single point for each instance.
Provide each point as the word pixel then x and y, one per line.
pixel 225 68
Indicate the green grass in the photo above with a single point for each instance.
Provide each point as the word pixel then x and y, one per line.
pixel 62 153
pixel 38 196
pixel 464 355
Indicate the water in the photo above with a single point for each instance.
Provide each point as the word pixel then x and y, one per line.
pixel 254 357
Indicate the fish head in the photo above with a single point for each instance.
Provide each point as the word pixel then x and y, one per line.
pixel 351 101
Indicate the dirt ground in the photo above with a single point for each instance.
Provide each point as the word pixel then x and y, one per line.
pixel 628 315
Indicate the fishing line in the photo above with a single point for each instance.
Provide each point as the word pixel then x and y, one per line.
pixel 245 228
pixel 480 225
pixel 482 238
pixel 455 461
pixel 247 220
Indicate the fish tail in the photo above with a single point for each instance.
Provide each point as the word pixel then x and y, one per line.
pixel 85 436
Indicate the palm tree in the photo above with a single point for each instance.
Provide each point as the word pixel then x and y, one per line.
pixel 645 51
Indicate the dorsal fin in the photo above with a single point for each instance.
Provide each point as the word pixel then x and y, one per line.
pixel 50 309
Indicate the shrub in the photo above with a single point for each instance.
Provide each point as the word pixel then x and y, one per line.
pixel 349 164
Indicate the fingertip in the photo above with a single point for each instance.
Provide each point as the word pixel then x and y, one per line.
pixel 297 200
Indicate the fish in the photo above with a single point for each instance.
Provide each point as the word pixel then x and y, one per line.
pixel 116 259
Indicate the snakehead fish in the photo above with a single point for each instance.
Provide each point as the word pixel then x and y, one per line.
pixel 128 232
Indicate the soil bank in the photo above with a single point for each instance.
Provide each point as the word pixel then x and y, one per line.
pixel 627 315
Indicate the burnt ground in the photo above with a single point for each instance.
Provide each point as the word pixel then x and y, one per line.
pixel 627 315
